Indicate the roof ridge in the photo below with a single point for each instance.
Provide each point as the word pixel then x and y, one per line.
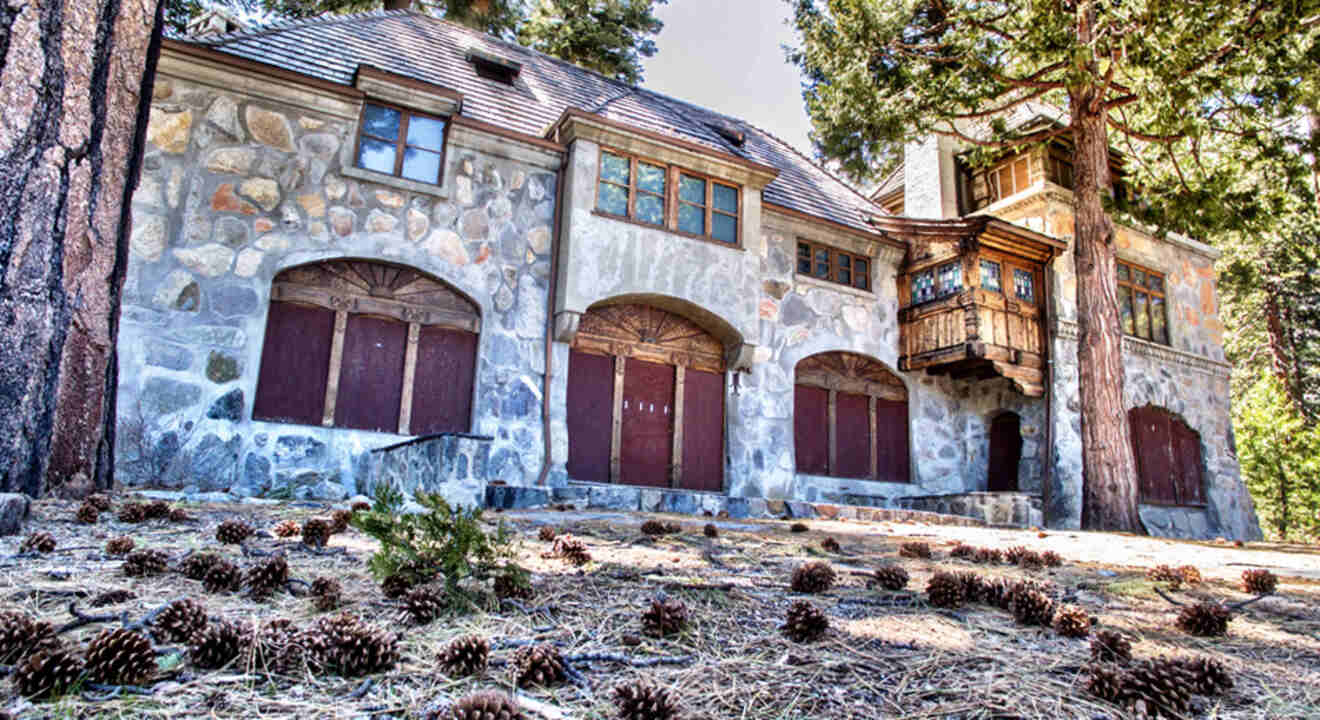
pixel 280 24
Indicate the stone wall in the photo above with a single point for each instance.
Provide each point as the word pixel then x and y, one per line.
pixel 238 187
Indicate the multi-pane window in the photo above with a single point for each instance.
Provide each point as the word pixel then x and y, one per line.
pixel 937 283
pixel 1024 285
pixel 638 189
pixel 990 276
pixel 1012 176
pixel 400 143
pixel 1142 305
pixel 827 263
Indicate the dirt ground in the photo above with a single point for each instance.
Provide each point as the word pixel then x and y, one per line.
pixel 886 655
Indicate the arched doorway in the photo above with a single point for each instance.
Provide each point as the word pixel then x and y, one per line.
pixel 1005 452
pixel 1168 455
pixel 645 400
pixel 850 418
pixel 369 346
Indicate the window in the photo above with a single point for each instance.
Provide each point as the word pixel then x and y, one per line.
pixel 1168 455
pixel 1024 285
pixel 827 263
pixel 400 143
pixel 1059 170
pixel 1141 303
pixel 990 279
pixel 637 189
pixel 368 346
pixel 1009 177
pixel 940 282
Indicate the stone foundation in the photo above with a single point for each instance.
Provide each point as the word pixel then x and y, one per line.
pixel 452 465
pixel 1001 509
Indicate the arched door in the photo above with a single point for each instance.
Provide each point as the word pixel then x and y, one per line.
pixel 1005 453
pixel 645 400
pixel 850 418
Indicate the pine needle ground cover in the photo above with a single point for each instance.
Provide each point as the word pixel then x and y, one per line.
pixel 885 654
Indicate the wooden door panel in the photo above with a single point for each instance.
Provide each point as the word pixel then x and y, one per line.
pixel 1152 446
pixel 647 435
pixel 590 416
pixel 811 423
pixel 1187 459
pixel 442 388
pixel 852 416
pixel 371 374
pixel 1005 453
pixel 703 431
pixel 892 458
pixel 295 363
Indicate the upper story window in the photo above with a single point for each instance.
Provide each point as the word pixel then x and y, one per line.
pixel 638 189
pixel 827 263
pixel 990 276
pixel 937 283
pixel 404 144
pixel 1141 303
pixel 1009 177
pixel 1024 285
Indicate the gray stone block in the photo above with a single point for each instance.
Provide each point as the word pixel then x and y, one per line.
pixel 14 509
pixel 682 503
pixel 170 357
pixel 798 509
pixel 615 497
pixel 509 497
pixel 738 508
pixel 228 406
pixel 162 396
pixel 215 462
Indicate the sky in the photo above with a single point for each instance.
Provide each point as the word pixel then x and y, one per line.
pixel 726 55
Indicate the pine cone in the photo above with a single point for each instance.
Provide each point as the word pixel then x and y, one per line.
pixel 326 594
pixel 361 506
pixel 1072 621
pixel 1104 681
pixel 195 567
pixel 813 577
pixel 181 619
pixel 989 556
pixel 47 674
pixel 1030 560
pixel 1110 647
pixel 640 701
pixel 1032 607
pixel 112 597
pixel 266 577
pixel 805 622
pixel 287 529
pixel 1156 689
pixel 99 501
pixel 890 577
pixel 120 657
pixel 1165 574
pixel 915 550
pixel 665 617
pixel 798 527
pixel 710 530
pixel 425 603
pixel 38 542
pixel 20 635
pixel 224 576
pixel 965 552
pixel 146 563
pixel 233 532
pixel 945 590
pixel 158 510
pixel 1051 559
pixel 396 586
pixel 571 549
pixel 546 533
pixel 339 521
pixel 274 646
pixel 316 532
pixel 87 514
pixel 1189 574
pixel 132 512
pixel 1209 676
pixel 215 645
pixel 1259 582
pixel 119 546
pixel 488 705
pixel 538 665
pixel 973 586
pixel 464 656
pixel 1207 619
pixel 998 592
pixel 180 515
pixel 830 545
pixel 654 527
pixel 345 645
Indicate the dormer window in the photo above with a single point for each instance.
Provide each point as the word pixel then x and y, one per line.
pixel 493 67
pixel 404 144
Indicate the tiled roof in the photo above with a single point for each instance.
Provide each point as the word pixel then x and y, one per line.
pixel 425 48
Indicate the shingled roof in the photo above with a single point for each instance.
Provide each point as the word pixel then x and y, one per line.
pixel 429 49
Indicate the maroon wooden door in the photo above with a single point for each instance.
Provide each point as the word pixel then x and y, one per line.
pixel 811 427
pixel 852 422
pixel 1151 444
pixel 646 449
pixel 371 374
pixel 891 441
pixel 442 388
pixel 703 431
pixel 1005 453
pixel 295 363
pixel 590 416
pixel 1186 452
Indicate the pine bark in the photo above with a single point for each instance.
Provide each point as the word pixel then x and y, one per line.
pixel 75 86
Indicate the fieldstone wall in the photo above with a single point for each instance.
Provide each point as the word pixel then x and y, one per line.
pixel 237 188
pixel 450 465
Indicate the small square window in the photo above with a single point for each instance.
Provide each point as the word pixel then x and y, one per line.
pixel 403 144
pixel 990 276
pixel 1024 285
pixel 950 277
pixel 923 286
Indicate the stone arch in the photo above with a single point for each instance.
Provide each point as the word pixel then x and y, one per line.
pixel 368 345
pixel 851 418
pixel 1170 457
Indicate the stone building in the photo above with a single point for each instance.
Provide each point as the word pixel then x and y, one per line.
pixel 384 248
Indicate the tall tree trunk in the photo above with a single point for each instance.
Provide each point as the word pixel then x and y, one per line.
pixel 75 88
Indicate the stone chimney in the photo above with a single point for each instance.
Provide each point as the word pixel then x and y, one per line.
pixel 930 181
pixel 213 22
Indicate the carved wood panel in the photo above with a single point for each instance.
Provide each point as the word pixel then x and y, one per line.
pixel 648 333
pixel 848 372
pixel 373 288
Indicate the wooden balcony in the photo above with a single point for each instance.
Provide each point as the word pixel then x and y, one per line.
pixel 973 299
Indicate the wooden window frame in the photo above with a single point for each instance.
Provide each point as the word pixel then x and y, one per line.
pixel 980 267
pixel 1133 288
pixel 1031 276
pixel 671 200
pixel 835 256
pixel 401 144
pixel 994 188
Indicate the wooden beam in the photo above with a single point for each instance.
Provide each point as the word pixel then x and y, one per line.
pixel 834 431
pixel 676 478
pixel 409 376
pixel 616 432
pixel 336 363
pixel 870 402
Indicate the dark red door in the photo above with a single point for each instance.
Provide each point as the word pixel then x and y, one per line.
pixel 295 362
pixel 811 427
pixel 1151 444
pixel 891 441
pixel 647 443
pixel 1005 453
pixel 852 421
pixel 703 431
pixel 590 416
pixel 1187 460
pixel 371 374
pixel 442 389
